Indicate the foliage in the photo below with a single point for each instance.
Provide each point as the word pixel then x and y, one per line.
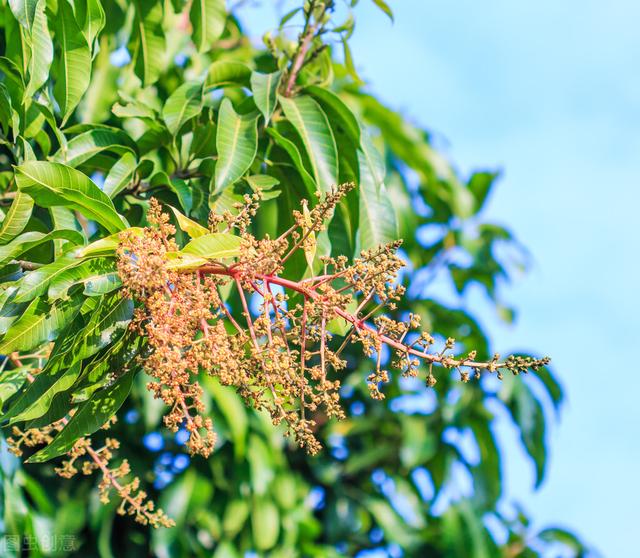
pixel 106 105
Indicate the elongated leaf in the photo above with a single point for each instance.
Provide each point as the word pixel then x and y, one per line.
pixel 487 475
pixel 312 125
pixel 56 184
pixel 237 144
pixel 193 229
pixel 181 261
pixel 91 17
pixel 552 385
pixel 63 218
pixel 120 175
pixel 214 246
pixel 36 282
pixel 92 142
pixel 265 523
pixel 208 18
pixel 10 382
pixel 384 7
pixel 107 322
pixel 17 217
pixel 30 240
pixel 265 87
pixel 24 11
pixel 91 416
pixel 102 284
pixel 39 323
pixel 148 40
pixel 9 118
pixel 183 104
pixel 226 72
pixel 377 221
pixel 41 50
pixel 293 152
pixel 99 371
pixel 234 412
pixel 37 399
pixel 88 273
pixel 329 99
pixel 10 310
pixel 564 537
pixel 105 246
pixel 264 184
pixel 180 187
pixel 73 63
pixel 528 416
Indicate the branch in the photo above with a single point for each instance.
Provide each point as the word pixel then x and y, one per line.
pixel 308 33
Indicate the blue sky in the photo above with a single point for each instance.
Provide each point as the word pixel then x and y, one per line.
pixel 549 92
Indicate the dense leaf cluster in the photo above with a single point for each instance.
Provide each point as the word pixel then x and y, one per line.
pixel 105 104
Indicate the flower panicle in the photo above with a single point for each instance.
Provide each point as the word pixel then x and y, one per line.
pixel 284 357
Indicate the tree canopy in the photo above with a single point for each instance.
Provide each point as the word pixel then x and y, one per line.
pixel 200 238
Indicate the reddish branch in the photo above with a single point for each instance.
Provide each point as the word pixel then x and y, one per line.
pixel 311 293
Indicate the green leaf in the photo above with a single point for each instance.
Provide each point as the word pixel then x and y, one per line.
pixel 293 152
pixel 73 63
pixel 91 17
pixel 262 181
pixel 107 322
pixel 226 72
pixel 148 40
pixel 265 87
pixel 348 62
pixel 208 18
pixel 180 261
pixel 234 412
pixel 183 104
pixel 329 99
pixel 99 285
pixel 10 311
pixel 56 184
pixel 106 246
pixel 92 142
pixel 37 399
pixel 10 383
pixel 36 282
pixel 312 125
pixel 24 11
pixel 91 416
pixel 237 144
pixel 265 523
pixel 480 185
pixel 9 118
pixel 552 385
pixel 377 221
pixel 87 273
pixel 264 184
pixel 394 527
pixel 487 474
pixel 29 240
pixel 180 187
pixel 214 246
pixel 384 7
pixel 39 323
pixel 120 175
pixel 528 415
pixel 63 218
pixel 17 217
pixel 235 516
pixel 562 536
pixel 41 50
pixel 193 229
